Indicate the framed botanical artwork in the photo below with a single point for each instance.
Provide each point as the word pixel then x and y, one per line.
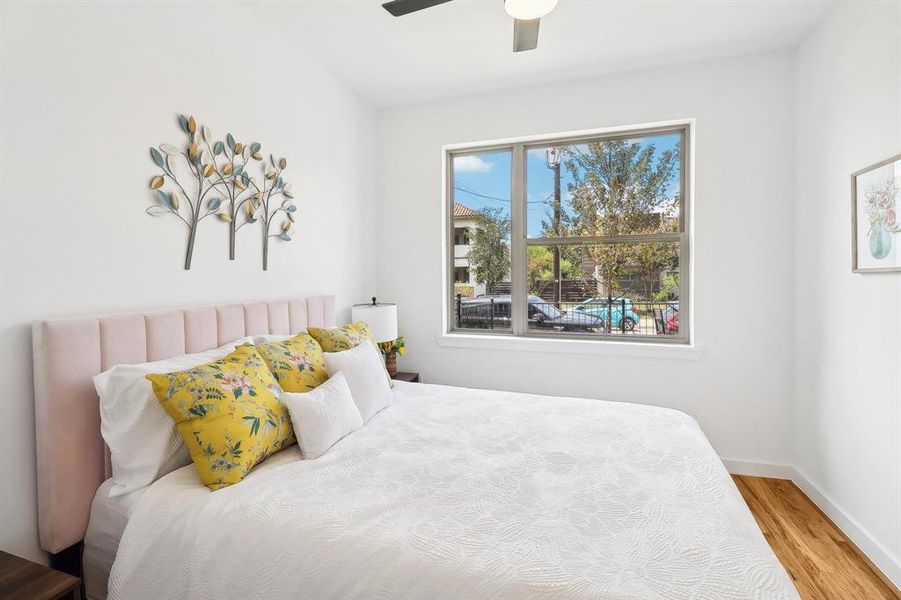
pixel 875 222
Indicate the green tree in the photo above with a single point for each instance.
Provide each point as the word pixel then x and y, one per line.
pixel 490 247
pixel 541 267
pixel 619 188
pixel 669 288
pixel 654 265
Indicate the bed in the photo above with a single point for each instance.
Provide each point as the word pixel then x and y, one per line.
pixel 449 493
pixel 109 516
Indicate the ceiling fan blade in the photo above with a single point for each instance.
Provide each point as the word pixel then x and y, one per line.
pixel 525 34
pixel 399 8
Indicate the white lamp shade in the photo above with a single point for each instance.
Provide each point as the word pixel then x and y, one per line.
pixel 381 318
pixel 529 9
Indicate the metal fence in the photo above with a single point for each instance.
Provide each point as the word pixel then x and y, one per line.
pixel 617 316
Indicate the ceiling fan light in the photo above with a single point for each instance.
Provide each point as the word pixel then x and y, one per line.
pixel 529 9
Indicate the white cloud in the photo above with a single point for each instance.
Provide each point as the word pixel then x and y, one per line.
pixel 471 164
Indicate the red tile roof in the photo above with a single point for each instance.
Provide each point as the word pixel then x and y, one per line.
pixel 463 211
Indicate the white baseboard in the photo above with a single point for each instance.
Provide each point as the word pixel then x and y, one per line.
pixel 758 469
pixel 876 552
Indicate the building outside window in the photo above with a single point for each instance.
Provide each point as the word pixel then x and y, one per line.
pixel 465 225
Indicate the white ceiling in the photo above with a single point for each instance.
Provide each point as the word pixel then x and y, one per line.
pixel 464 46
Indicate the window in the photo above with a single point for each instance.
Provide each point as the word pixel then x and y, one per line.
pixel 480 206
pixel 580 236
pixel 461 275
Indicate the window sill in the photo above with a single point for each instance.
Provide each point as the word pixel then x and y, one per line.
pixel 570 346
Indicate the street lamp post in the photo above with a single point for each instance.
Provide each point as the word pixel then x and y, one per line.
pixel 553 163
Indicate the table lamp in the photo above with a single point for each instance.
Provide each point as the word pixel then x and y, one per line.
pixel 382 320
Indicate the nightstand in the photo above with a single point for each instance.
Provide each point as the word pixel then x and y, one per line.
pixel 411 377
pixel 23 579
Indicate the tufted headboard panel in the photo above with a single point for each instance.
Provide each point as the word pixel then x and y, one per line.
pixel 72 459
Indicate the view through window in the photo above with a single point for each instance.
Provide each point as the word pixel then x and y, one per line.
pixel 579 236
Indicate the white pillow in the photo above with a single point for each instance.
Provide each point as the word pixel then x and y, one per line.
pixel 142 439
pixel 365 373
pixel 323 416
pixel 270 338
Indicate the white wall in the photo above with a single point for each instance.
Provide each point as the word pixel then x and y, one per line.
pixel 86 89
pixel 847 426
pixel 739 389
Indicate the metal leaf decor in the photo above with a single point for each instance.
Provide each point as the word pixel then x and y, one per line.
pixel 221 167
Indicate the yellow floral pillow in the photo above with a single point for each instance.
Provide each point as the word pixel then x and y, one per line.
pixel 229 414
pixel 297 363
pixel 345 338
pixel 342 338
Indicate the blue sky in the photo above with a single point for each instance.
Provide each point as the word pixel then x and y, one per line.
pixel 483 180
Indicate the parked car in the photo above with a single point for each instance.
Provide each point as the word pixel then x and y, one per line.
pixel 667 319
pixel 672 318
pixel 672 323
pixel 611 311
pixel 494 312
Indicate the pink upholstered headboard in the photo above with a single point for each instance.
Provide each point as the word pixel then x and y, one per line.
pixel 68 353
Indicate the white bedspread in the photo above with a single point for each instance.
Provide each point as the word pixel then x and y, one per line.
pixel 457 493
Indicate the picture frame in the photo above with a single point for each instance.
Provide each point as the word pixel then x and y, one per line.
pixel 876 217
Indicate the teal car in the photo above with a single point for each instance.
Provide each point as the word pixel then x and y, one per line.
pixel 611 312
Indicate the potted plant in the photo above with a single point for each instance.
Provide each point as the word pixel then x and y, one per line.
pixel 391 350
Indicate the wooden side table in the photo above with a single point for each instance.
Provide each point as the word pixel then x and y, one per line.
pixel 411 377
pixel 22 579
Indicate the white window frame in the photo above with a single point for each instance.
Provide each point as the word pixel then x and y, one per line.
pixel 520 337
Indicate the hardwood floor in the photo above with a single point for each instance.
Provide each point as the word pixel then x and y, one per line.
pixel 823 563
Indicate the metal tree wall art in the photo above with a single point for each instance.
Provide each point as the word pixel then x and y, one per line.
pixel 182 169
pixel 265 209
pixel 247 195
pixel 223 168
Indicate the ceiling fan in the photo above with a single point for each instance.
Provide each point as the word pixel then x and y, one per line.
pixel 526 15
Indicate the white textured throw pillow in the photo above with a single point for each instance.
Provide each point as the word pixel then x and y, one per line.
pixel 365 373
pixel 269 338
pixel 323 416
pixel 142 439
